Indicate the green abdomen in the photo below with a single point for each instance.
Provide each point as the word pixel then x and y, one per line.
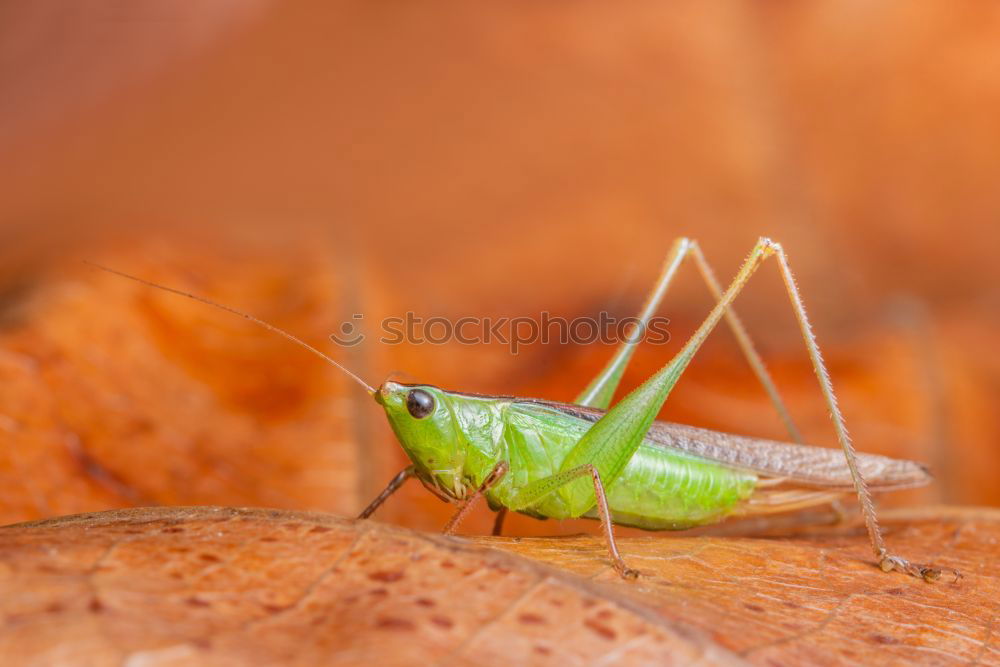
pixel 664 490
pixel 660 488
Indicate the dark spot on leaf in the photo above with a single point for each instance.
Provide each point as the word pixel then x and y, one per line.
pixel 320 529
pixel 54 608
pixel 393 623
pixel 275 608
pixel 198 602
pixel 531 619
pixel 210 558
pixel 543 650
pixel 447 564
pixel 269 538
pixel 442 621
pixel 173 529
pixel 425 602
pixel 95 606
pixel 386 577
pixel 753 607
pixel 883 639
pixel 894 591
pixel 601 629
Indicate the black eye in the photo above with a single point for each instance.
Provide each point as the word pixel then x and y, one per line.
pixel 419 403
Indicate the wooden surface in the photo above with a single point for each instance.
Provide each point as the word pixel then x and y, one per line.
pixel 209 585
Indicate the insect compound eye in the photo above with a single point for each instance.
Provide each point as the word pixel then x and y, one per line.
pixel 419 403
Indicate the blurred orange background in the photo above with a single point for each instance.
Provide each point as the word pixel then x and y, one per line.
pixel 307 161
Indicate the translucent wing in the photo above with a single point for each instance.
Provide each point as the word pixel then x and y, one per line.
pixel 786 462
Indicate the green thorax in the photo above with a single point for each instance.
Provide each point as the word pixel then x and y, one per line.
pixel 455 446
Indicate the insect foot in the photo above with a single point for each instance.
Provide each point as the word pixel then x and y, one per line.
pixel 626 572
pixel 888 563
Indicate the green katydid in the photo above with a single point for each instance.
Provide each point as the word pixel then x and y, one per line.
pixel 619 465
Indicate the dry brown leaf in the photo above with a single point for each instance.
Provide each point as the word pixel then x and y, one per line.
pixel 221 586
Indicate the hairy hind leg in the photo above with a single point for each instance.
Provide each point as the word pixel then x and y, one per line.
pixel 612 441
pixel 599 392
pixel 887 560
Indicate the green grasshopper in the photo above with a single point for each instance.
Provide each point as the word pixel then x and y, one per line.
pixel 619 465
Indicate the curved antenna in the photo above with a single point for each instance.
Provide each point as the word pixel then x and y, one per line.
pixel 247 316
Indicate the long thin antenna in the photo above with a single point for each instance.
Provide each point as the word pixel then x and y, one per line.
pixel 247 316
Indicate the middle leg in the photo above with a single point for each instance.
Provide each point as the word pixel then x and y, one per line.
pixel 498 521
pixel 537 490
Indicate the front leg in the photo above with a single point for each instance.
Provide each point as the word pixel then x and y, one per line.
pixel 394 484
pixel 499 470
